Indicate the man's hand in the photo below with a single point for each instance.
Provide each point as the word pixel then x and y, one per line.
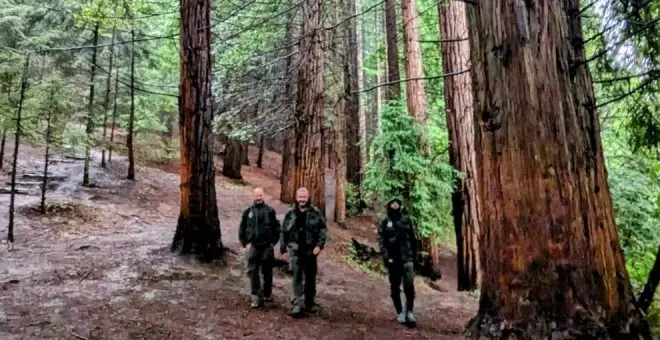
pixel 317 250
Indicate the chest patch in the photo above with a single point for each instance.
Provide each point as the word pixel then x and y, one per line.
pixel 390 224
pixel 250 214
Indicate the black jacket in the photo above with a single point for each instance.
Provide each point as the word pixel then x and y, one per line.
pixel 259 226
pixel 396 238
pixel 315 230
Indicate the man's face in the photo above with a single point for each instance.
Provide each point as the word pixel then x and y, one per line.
pixel 258 196
pixel 302 197
pixel 395 206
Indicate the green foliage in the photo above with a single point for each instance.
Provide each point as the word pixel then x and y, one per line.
pixel 352 199
pixel 398 167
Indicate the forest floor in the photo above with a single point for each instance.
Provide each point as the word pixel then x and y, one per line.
pixel 98 266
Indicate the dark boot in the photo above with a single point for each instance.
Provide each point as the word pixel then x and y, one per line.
pixel 298 308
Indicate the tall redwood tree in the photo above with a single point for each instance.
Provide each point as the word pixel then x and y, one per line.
pixel 198 227
pixel 309 171
pixel 552 261
pixel 460 125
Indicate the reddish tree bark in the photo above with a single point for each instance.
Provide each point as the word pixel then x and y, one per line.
pixel 287 173
pixel 309 104
pixel 233 159
pixel 413 61
pixel 551 257
pixel 198 227
pixel 394 89
pixel 458 101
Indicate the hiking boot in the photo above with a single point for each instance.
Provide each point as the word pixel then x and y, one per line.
pixel 297 311
pixel 410 319
pixel 312 308
pixel 257 302
pixel 401 318
pixel 268 298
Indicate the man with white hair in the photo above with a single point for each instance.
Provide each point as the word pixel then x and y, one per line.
pixel 259 229
pixel 303 236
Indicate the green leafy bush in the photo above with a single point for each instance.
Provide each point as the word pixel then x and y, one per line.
pixel 399 167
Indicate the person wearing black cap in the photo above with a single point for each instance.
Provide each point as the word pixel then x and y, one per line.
pixel 398 247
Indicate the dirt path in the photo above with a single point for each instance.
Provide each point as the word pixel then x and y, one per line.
pixel 99 268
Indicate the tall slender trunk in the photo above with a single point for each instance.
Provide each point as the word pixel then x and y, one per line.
pixel 287 173
pixel 341 87
pixel 260 157
pixel 2 147
pixel 114 117
pixel 354 97
pixel 394 88
pixel 17 140
pixel 551 257
pixel 90 108
pixel 198 227
pixel 413 61
pixel 361 112
pixel 106 102
pixel 309 104
pixel 415 96
pixel 460 126
pixel 44 181
pixel 131 118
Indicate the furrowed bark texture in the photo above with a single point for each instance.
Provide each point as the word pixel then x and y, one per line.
pixel 394 89
pixel 353 101
pixel 341 84
pixel 551 257
pixel 233 159
pixel 309 170
pixel 198 227
pixel 287 174
pixel 460 125
pixel 413 60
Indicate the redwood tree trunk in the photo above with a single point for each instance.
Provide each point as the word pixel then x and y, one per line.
pixel 288 186
pixel 90 110
pixel 413 61
pixel 353 78
pixel 287 173
pixel 198 227
pixel 233 159
pixel 551 257
pixel 394 89
pixel 260 157
pixel 458 101
pixel 309 105
pixel 341 70
pixel 131 118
